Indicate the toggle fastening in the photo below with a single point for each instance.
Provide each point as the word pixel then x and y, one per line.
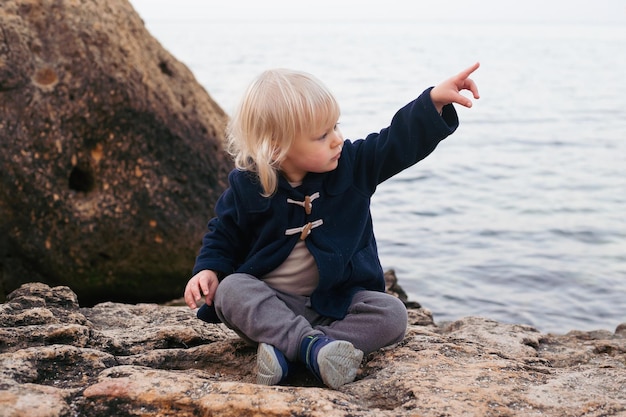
pixel 304 230
pixel 307 203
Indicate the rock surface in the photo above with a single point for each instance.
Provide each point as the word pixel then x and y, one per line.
pixel 110 151
pixel 58 359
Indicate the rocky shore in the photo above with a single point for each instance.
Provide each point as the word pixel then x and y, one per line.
pixel 111 159
pixel 113 359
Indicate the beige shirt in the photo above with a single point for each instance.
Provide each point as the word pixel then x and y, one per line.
pixel 297 275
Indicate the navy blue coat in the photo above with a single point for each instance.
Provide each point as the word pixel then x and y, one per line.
pixel 248 234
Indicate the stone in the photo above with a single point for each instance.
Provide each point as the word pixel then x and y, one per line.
pixel 160 360
pixel 111 154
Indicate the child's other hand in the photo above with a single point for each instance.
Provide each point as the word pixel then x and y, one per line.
pixel 203 283
pixel 449 90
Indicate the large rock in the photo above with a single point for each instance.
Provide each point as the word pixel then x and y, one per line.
pixel 57 359
pixel 110 153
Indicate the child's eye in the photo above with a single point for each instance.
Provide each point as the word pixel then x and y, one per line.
pixel 325 135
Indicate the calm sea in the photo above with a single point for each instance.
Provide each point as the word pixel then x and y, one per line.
pixel 520 216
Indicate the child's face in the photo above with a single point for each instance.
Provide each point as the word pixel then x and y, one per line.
pixel 315 152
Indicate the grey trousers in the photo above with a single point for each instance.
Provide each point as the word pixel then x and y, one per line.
pixel 259 313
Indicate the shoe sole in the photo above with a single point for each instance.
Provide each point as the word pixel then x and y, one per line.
pixel 338 363
pixel 269 371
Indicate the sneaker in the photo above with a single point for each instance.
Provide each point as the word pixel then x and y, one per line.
pixel 272 366
pixel 334 362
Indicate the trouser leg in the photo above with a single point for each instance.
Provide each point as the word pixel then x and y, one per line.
pixel 374 320
pixel 257 313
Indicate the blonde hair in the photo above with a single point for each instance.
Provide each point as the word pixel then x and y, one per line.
pixel 278 106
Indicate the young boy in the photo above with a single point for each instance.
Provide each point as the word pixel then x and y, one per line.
pixel 290 261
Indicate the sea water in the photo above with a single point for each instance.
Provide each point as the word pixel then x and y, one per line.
pixel 520 215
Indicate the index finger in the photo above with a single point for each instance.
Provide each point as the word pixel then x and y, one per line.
pixel 191 295
pixel 469 70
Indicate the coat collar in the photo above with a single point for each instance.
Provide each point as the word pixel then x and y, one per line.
pixel 247 186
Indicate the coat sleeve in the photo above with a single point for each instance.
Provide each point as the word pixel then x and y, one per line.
pixel 414 132
pixel 221 244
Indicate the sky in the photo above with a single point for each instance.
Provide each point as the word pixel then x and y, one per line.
pixel 600 11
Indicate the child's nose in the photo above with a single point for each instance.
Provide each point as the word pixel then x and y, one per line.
pixel 338 139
